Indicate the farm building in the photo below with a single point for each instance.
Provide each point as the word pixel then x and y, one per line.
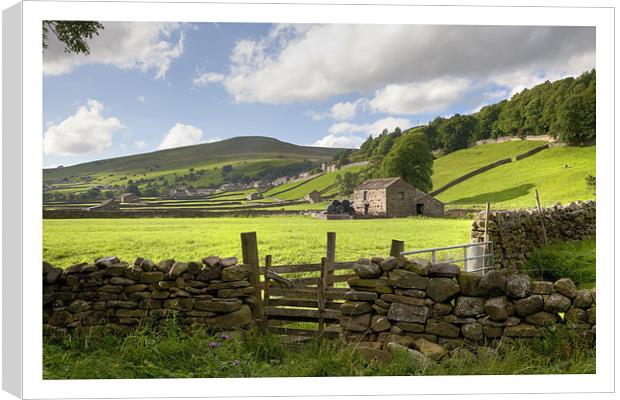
pixel 129 198
pixel 313 197
pixel 255 196
pixel 393 197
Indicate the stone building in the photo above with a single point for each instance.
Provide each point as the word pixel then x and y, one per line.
pixel 313 197
pixel 254 196
pixel 393 197
pixel 129 198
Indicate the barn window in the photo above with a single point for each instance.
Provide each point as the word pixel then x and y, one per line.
pixel 365 195
pixel 401 195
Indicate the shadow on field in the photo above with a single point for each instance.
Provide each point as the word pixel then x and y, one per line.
pixel 496 197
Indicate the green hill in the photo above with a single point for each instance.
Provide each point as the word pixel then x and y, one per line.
pixel 558 173
pixel 460 162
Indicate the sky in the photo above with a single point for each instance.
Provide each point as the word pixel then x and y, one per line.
pixel 150 86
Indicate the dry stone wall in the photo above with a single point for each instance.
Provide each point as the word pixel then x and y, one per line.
pixel 515 234
pixel 397 303
pixel 213 294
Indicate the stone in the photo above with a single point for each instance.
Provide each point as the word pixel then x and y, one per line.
pixel 468 282
pixel 235 273
pixel 210 273
pixel 380 323
pixel 401 278
pixel 441 309
pixel 493 283
pixel 394 298
pixel 151 277
pixel 79 306
pixel 473 332
pixel 355 295
pixel 592 315
pixel 389 264
pixel 165 265
pixel 194 267
pixel 557 303
pixel 238 292
pixel 542 318
pixel 518 286
pixel 379 285
pixel 122 304
pixel 239 318
pixel 416 267
pixel 529 305
pixel 356 323
pixel 46 267
pixel 492 332
pixel 382 303
pixel 576 316
pixel 411 327
pixel 115 270
pixel 86 269
pixel 228 285
pixel 229 262
pixel 376 259
pixel 355 307
pixel 414 355
pixel 593 293
pixel 498 308
pixel 53 275
pixel 396 330
pixel 111 289
pixel 583 299
pixel 420 294
pixel 408 313
pixel 181 304
pixel 430 349
pixel 150 304
pixel 147 265
pixel 522 331
pixel 451 343
pixel 369 271
pixel 375 355
pixel 159 294
pixel 542 287
pixel 106 261
pixel 117 280
pixel 566 287
pixel 453 319
pixel 510 321
pixel 211 261
pixel 465 306
pixel 380 310
pixel 442 328
pixel 177 269
pixel 74 269
pixel 442 289
pixel 444 270
pixel 125 313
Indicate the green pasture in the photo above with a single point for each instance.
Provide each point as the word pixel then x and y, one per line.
pixel 289 239
pixel 320 183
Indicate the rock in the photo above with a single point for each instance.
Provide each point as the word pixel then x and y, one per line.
pixel 239 318
pixel 374 355
pixel 468 306
pixel 46 267
pixel 238 292
pixel 380 323
pixel 420 294
pixel 225 306
pixel 389 264
pixel 529 305
pixel 125 313
pixel 182 304
pixel 493 283
pixel 566 287
pixel 576 316
pixel 122 304
pixel 414 355
pixel 355 307
pixel 151 277
pixel 441 309
pixel 492 332
pixel 376 259
pixel 194 267
pixel 115 270
pixel 510 321
pixel 542 287
pixel 542 318
pixel 444 270
pixel 228 285
pixel 75 268
pixel 518 286
pixel 235 272
pixel 382 303
pixel 498 308
pixel 150 304
pixel 379 285
pixel 430 349
pixel 356 323
pixel 583 299
pixel 79 306
pixel 401 278
pixel 164 265
pixel 53 275
pixel 468 282
pixel 106 261
pixel 411 327
pixel 147 265
pixel 369 271
pixel 592 315
pixel 393 298
pixel 453 319
pixel 442 289
pixel 178 268
pixel 556 303
pixel 522 331
pixel 416 267
pixel 380 310
pixel 593 293
pixel 473 332
pixel 211 261
pixel 228 262
pixel 442 328
pixel 117 280
pixel 408 313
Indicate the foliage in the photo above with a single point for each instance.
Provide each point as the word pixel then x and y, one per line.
pixel 455 132
pixel 133 188
pixel 348 181
pixel 412 160
pixel 591 183
pixel 74 34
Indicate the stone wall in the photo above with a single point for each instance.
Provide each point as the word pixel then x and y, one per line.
pixel 215 293
pixel 515 234
pixel 397 303
pixel 468 175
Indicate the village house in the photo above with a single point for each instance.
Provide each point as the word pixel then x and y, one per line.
pixel 393 197
pixel 129 198
pixel 313 197
pixel 329 167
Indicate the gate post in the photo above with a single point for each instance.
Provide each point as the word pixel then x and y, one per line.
pixel 321 283
pixel 266 292
pixel 398 246
pixel 331 257
pixel 249 248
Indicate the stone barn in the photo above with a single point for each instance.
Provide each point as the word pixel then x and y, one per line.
pixel 393 197
pixel 129 198
pixel 254 196
pixel 313 197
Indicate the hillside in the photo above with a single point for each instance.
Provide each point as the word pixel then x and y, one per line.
pixel 558 173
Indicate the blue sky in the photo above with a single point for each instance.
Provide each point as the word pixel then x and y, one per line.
pixel 147 86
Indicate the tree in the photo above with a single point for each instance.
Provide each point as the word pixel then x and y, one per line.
pixel 411 159
pixel 133 189
pixel 348 181
pixel 74 34
pixel 227 169
pixel 455 133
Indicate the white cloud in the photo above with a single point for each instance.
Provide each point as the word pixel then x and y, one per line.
pixel 181 135
pixel 344 111
pixel 418 98
pixel 207 78
pixel 214 139
pixel 145 46
pixel 374 128
pixel 85 132
pixel 140 144
pixel 347 141
pixel 141 99
pixel 315 62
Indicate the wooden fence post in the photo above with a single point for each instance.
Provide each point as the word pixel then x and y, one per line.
pixel 331 257
pixel 249 248
pixel 321 284
pixel 398 246
pixel 266 290
pixel 542 218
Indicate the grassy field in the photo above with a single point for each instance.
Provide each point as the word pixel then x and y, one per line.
pixel 460 162
pixel 512 185
pixel 172 354
pixel 289 239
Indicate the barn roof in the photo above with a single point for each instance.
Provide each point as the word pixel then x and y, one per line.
pixel 377 183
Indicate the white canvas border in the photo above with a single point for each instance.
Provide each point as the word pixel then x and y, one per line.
pixel 35 387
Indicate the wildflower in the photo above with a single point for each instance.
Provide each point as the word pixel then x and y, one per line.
pixel 224 337
pixel 236 362
pixel 213 345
